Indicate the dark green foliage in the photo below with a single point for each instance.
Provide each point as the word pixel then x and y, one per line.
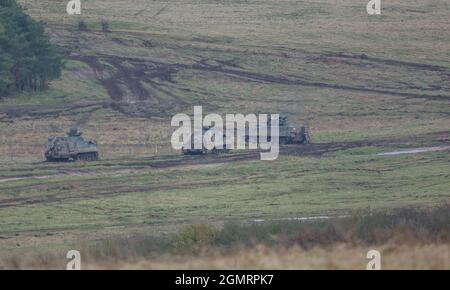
pixel 27 58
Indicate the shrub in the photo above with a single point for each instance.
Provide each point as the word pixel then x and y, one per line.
pixel 195 237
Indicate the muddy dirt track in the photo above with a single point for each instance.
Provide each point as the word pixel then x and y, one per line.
pixel 127 80
pixel 189 162
pixel 133 80
pixel 148 88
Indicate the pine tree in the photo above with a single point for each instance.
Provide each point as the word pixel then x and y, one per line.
pixel 27 58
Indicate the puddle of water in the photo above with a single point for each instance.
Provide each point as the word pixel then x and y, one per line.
pixel 415 151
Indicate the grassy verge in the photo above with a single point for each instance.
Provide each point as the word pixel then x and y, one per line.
pixel 337 243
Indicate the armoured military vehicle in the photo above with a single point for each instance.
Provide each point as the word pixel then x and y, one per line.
pixel 71 148
pixel 293 134
pixel 190 150
pixel 288 134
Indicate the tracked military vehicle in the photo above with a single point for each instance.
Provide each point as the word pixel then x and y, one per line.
pixel 293 134
pixel 190 150
pixel 288 134
pixel 72 147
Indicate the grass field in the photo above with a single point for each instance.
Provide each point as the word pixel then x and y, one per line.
pixel 366 85
pixel 406 238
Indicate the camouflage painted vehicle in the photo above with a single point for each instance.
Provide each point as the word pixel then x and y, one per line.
pixel 288 134
pixel 293 134
pixel 189 150
pixel 71 148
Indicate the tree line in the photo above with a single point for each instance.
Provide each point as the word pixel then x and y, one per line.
pixel 28 60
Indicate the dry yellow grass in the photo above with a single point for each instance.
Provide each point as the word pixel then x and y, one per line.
pixel 338 257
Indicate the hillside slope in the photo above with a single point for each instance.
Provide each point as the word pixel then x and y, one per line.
pixel 366 85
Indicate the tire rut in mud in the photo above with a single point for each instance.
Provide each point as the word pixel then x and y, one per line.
pixel 134 86
pixel 124 79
